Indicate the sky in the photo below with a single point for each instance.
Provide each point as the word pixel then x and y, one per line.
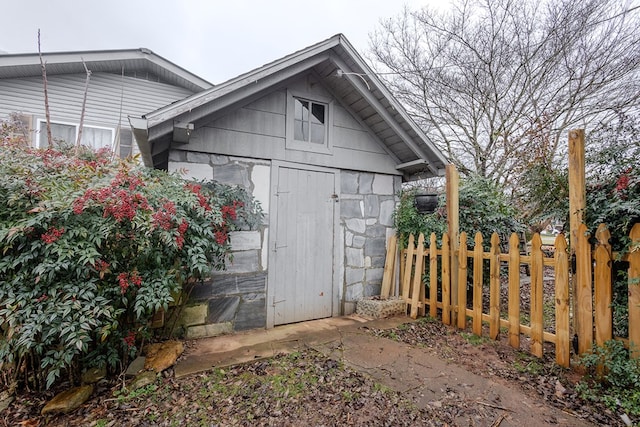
pixel 214 39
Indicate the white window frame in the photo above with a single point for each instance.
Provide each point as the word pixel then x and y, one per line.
pixel 42 127
pixel 291 142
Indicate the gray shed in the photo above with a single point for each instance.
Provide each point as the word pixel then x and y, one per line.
pixel 324 146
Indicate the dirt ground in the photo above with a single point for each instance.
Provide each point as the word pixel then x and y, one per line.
pixel 470 381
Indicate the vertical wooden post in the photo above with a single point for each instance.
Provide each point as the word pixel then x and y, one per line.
pixel 462 282
pixel 405 290
pixel 563 353
pixel 478 261
pixel 536 312
pixel 602 286
pixel 577 200
pixel 446 280
pixel 494 288
pixel 634 293
pixel 453 223
pixel 584 297
pixel 417 278
pixel 514 291
pixel 433 277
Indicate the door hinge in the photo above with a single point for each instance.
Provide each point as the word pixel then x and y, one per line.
pixel 277 302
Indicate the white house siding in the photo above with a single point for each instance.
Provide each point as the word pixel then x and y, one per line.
pixel 110 98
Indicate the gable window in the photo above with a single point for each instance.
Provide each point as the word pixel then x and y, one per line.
pixel 310 121
pixel 308 124
pixel 92 136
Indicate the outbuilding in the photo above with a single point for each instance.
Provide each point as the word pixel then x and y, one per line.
pixel 324 146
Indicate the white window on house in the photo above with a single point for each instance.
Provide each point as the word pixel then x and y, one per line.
pixel 308 124
pixel 92 136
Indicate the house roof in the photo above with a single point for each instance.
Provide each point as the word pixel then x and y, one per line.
pixel 342 71
pixel 141 62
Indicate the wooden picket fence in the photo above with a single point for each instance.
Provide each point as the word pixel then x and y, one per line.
pixel 593 288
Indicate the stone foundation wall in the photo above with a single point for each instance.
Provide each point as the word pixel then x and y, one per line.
pixel 367 203
pixel 234 299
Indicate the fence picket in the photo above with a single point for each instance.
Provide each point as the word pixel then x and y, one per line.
pixel 478 260
pixel 634 292
pixel 563 352
pixel 417 278
pixel 408 267
pixel 602 288
pixel 462 281
pixel 494 288
pixel 446 280
pixel 514 291
pixel 433 277
pixel 413 288
pixel 536 302
pixel 389 268
pixel 584 303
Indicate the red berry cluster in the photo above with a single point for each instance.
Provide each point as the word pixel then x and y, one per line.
pixel 202 200
pixel 163 217
pixel 130 339
pixel 52 235
pixel 623 181
pixel 182 228
pixel 127 279
pixel 118 202
pixel 231 210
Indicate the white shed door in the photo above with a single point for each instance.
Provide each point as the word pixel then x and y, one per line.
pixel 303 288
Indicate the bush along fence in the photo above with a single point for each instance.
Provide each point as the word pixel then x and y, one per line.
pixel 427 282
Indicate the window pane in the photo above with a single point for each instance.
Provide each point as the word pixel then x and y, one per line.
pixel 126 143
pixel 317 133
pixel 96 138
pixel 317 113
pixel 302 110
pixel 59 133
pixel 300 130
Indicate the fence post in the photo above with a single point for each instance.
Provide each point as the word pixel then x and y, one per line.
pixel 514 291
pixel 417 278
pixel 536 311
pixel 453 222
pixel 563 353
pixel 602 286
pixel 446 280
pixel 406 282
pixel 577 198
pixel 462 282
pixel 584 303
pixel 494 288
pixel 634 292
pixel 433 277
pixel 478 261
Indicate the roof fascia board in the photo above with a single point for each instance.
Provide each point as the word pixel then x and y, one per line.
pixel 100 56
pixel 319 50
pixel 360 87
pixel 222 96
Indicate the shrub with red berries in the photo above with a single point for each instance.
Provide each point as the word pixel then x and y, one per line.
pixel 92 247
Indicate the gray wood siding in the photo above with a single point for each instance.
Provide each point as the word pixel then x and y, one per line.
pixel 259 130
pixel 103 98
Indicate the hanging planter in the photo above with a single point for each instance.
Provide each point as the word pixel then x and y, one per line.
pixel 426 202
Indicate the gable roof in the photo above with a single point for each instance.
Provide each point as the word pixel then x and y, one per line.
pixel 140 61
pixel 343 72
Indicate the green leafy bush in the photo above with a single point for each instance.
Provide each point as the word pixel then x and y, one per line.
pixel 613 378
pixel 92 248
pixel 483 207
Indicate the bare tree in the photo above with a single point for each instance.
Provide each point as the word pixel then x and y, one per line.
pixel 43 66
pixel 496 83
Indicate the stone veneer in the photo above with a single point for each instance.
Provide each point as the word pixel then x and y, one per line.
pixel 234 299
pixel 367 202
